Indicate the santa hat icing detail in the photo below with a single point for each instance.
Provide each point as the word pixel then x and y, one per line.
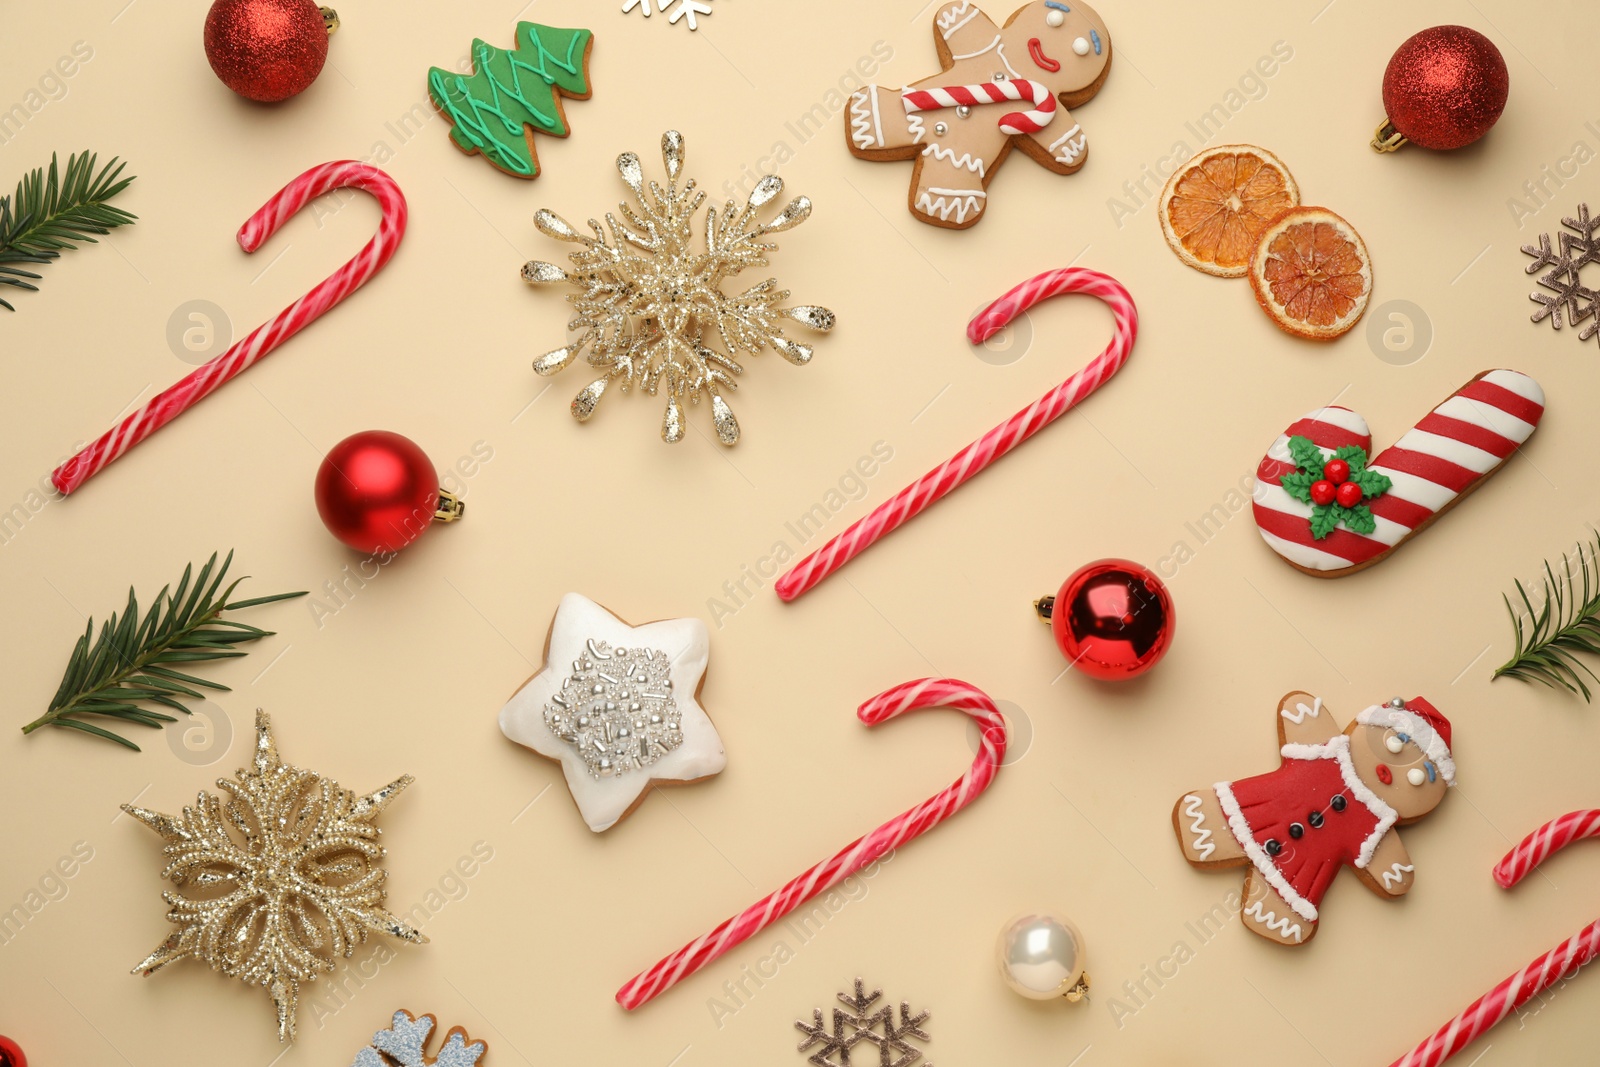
pixel 1423 723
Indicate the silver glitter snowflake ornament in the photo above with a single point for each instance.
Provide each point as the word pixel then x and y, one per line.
pixel 405 1044
pixel 1564 279
pixel 616 709
pixel 278 880
pixel 862 1023
pixel 649 295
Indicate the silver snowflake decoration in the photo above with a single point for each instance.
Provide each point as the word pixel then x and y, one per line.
pixel 1575 247
pixel 405 1044
pixel 616 709
pixel 858 1022
pixel 675 10
pixel 649 295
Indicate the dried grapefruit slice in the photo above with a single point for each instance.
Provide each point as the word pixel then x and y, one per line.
pixel 1215 207
pixel 1311 273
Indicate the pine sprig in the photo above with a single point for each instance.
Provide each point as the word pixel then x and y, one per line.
pixel 49 213
pixel 1549 640
pixel 128 667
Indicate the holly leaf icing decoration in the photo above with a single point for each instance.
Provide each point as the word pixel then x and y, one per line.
pixel 1324 520
pixel 1307 456
pixel 1372 483
pixel 1354 456
pixel 1298 485
pixel 1358 518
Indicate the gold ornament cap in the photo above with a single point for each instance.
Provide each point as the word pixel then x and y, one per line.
pixel 450 507
pixel 1386 138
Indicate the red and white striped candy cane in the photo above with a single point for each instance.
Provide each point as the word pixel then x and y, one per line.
pixel 1031 121
pixel 1537 976
pixel 210 375
pixel 926 693
pixel 911 500
pixel 1552 837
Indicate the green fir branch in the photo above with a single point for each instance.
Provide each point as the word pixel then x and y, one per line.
pixel 49 213
pixel 1550 639
pixel 129 666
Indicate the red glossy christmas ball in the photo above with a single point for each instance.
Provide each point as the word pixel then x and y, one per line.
pixel 1113 619
pixel 10 1054
pixel 267 50
pixel 377 492
pixel 1444 88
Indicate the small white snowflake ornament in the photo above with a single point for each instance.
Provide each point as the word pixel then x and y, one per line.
pixel 618 706
pixel 679 9
pixel 405 1044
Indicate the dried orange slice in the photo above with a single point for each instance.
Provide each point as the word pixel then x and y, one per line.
pixel 1215 207
pixel 1311 273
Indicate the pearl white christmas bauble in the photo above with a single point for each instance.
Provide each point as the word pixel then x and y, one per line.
pixel 1041 956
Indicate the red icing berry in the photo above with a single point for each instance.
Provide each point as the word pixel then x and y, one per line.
pixel 1322 492
pixel 1336 471
pixel 1349 495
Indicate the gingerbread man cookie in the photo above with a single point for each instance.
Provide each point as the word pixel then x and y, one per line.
pixel 1000 88
pixel 1334 801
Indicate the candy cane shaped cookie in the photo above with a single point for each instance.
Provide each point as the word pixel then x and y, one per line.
pixel 1329 510
pixel 1543 973
pixel 210 376
pixel 1049 56
pixel 925 693
pixel 932 487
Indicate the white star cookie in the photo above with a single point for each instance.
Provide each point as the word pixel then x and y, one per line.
pixel 618 706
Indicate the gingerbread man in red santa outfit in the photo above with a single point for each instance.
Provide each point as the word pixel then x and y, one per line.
pixel 1001 88
pixel 1334 801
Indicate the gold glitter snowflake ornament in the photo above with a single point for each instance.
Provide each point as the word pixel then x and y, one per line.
pixel 648 294
pixel 293 885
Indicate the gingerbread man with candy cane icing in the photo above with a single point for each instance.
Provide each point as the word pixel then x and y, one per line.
pixel 1001 87
pixel 1334 801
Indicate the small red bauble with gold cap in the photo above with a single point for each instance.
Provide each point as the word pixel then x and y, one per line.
pixel 1113 619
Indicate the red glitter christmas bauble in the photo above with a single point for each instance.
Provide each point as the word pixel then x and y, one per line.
pixel 1113 619
pixel 1444 88
pixel 266 50
pixel 377 492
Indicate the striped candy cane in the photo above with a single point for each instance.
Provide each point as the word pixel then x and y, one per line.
pixel 911 500
pixel 1031 121
pixel 1552 837
pixel 206 378
pixel 926 693
pixel 1536 977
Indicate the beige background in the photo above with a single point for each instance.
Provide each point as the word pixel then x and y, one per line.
pixel 407 673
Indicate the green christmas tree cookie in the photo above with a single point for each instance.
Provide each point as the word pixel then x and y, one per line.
pixel 514 94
